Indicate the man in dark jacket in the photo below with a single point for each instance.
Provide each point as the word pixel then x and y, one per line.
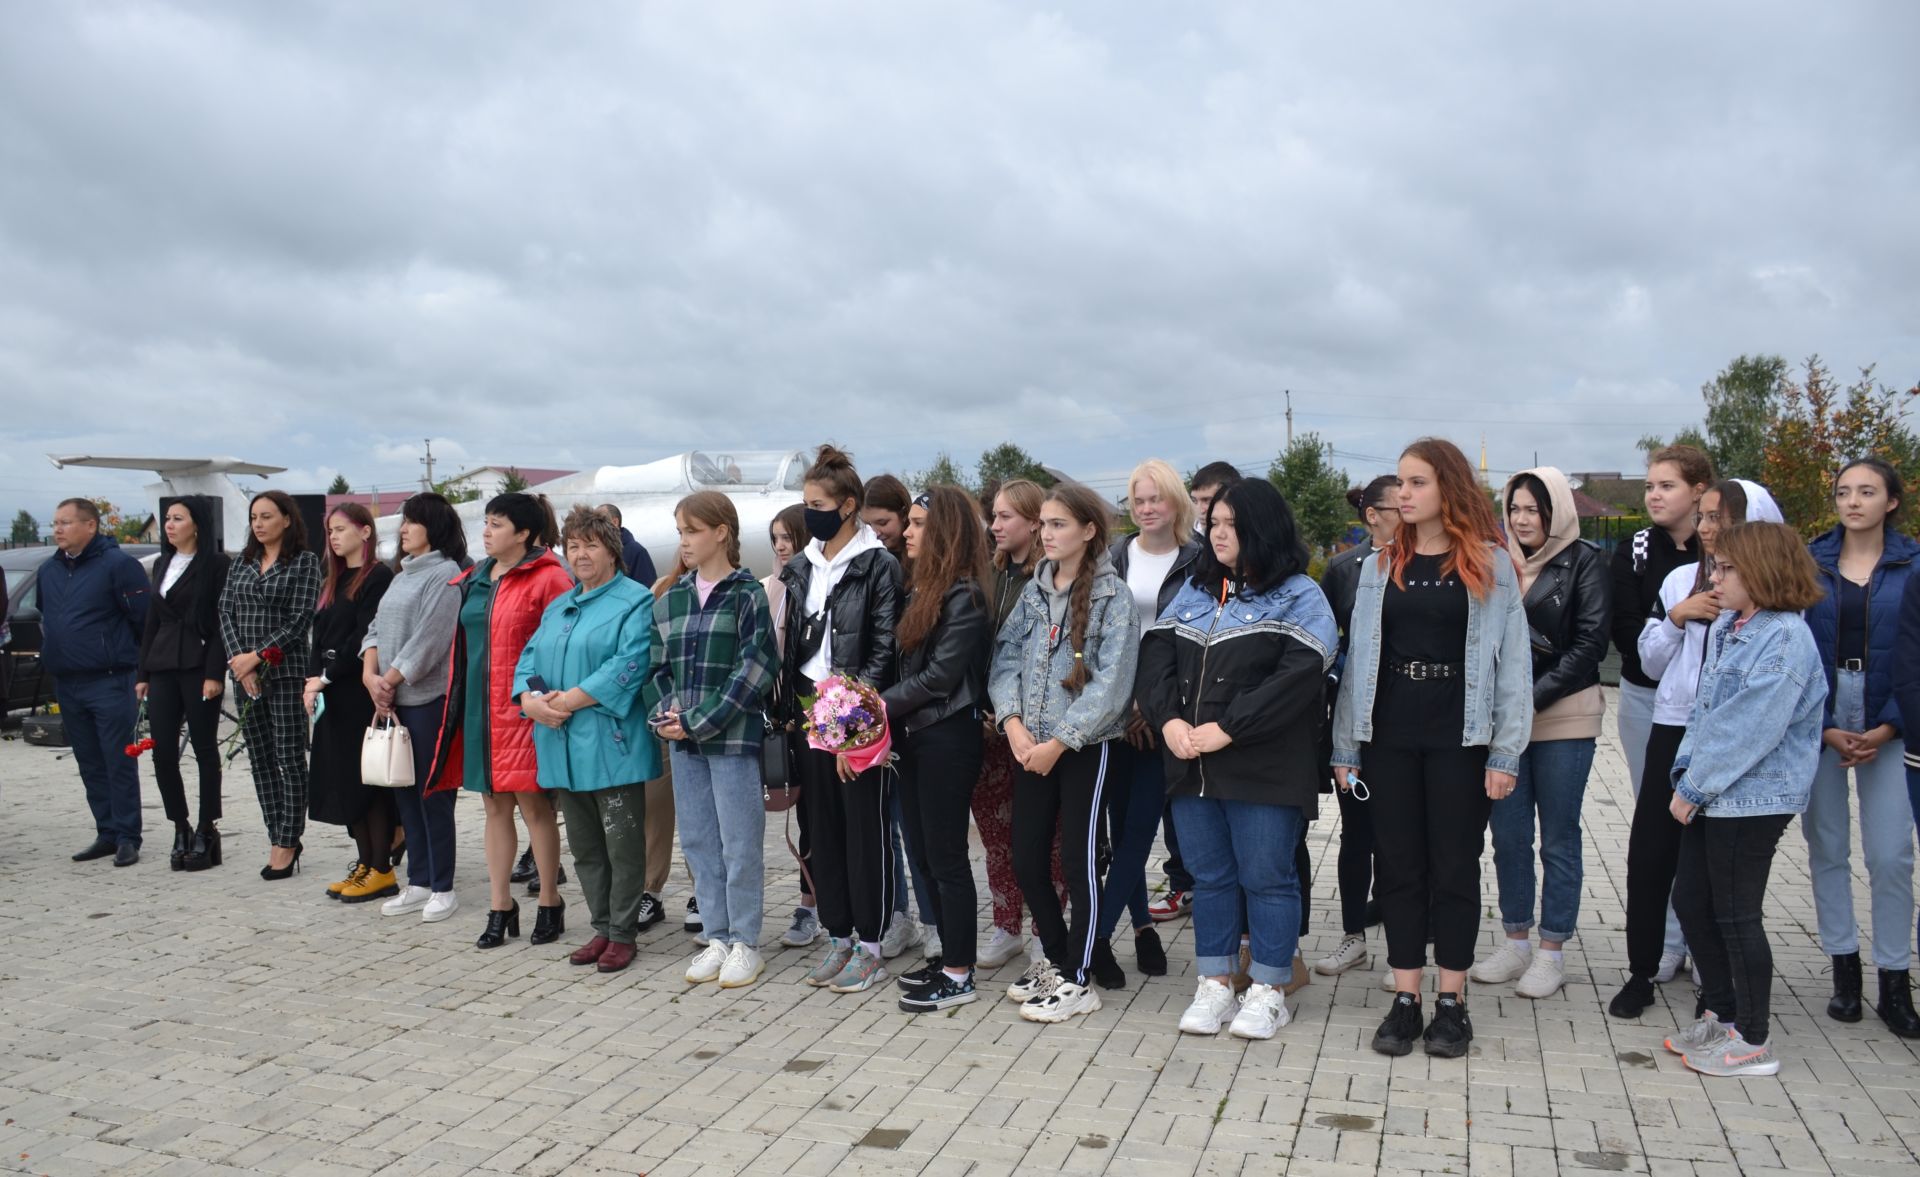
pixel 634 560
pixel 93 609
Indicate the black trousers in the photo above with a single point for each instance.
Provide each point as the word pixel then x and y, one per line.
pixel 1303 870
pixel 938 767
pixel 1069 797
pixel 1653 853
pixel 173 698
pixel 1430 810
pixel 1718 891
pixel 851 852
pixel 1355 864
pixel 1179 878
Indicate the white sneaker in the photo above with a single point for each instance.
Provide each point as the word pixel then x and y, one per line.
pixel 1212 1002
pixel 410 899
pixel 706 964
pixel 1038 980
pixel 1066 1000
pixel 440 905
pixel 931 948
pixel 1262 1011
pixel 1000 948
pixel 1352 954
pixel 1386 981
pixel 1543 977
pixel 1670 965
pixel 901 934
pixel 1506 963
pixel 742 968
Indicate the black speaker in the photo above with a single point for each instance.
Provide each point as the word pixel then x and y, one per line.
pixel 212 509
pixel 313 512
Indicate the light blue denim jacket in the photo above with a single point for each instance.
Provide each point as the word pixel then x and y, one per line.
pixel 1499 669
pixel 1756 720
pixel 1028 668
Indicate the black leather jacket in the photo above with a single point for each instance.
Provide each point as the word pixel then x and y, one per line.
pixel 1176 576
pixel 947 673
pixel 1340 580
pixel 1569 611
pixel 863 608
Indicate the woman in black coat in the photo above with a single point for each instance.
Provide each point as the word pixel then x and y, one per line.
pixel 349 596
pixel 183 666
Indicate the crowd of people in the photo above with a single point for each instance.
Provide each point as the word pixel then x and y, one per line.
pixel 1073 697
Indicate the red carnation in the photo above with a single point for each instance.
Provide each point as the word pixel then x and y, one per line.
pixel 132 749
pixel 273 656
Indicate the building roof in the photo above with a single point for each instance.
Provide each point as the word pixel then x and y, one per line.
pixel 1588 507
pixel 534 475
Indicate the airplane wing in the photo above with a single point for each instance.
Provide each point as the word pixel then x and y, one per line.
pixel 169 465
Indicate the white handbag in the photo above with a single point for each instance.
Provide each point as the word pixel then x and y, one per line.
pixel 386 755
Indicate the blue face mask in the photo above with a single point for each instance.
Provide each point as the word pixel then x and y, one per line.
pixel 823 525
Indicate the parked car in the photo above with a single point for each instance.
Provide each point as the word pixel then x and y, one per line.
pixel 29 687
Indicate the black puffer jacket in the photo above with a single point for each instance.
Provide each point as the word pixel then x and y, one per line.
pixel 1340 581
pixel 1176 576
pixel 947 673
pixel 1569 608
pixel 863 609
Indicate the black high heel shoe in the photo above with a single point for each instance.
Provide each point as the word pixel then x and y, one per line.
pixel 500 925
pixel 286 872
pixel 548 923
pixel 205 851
pixel 182 845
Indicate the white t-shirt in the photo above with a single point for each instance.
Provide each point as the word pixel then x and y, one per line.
pixel 1146 572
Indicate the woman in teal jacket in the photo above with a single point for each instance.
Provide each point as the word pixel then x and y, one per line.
pixel 579 679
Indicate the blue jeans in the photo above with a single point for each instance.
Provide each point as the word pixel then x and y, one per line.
pixel 97 713
pixel 723 832
pixel 922 894
pixel 1138 794
pixel 1239 852
pixel 1552 783
pixel 427 820
pixel 1886 838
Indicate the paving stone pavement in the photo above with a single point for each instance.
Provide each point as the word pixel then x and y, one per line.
pixel 162 1023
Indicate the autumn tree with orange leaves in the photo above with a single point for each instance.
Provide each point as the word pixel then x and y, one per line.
pixel 1818 426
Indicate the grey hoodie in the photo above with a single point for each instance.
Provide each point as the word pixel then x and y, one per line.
pixel 413 628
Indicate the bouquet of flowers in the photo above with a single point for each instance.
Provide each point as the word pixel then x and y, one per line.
pixel 140 743
pixel 847 717
pixel 270 657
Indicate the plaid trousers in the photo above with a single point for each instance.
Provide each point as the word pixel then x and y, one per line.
pixel 275 727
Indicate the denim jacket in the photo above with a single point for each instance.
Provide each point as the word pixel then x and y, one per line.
pixel 1756 719
pixel 1499 669
pixel 1028 667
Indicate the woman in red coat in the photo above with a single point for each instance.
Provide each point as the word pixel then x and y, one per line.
pixel 486 744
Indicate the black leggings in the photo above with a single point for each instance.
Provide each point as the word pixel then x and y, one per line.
pixel 1717 893
pixel 173 697
pixel 851 856
pixel 1430 810
pixel 938 766
pixel 1068 797
pixel 1653 854
pixel 1355 862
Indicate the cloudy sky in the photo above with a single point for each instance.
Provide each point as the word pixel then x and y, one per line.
pixel 312 234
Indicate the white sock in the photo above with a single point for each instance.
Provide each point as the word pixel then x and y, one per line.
pixel 1523 947
pixel 1555 955
pixel 872 947
pixel 812 911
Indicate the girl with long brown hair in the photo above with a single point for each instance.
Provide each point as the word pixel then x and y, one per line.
pixel 1435 707
pixel 1062 688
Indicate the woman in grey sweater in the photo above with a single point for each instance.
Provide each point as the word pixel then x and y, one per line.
pixel 405 666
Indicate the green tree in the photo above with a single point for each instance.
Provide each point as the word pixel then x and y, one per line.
pixel 513 483
pixel 1008 461
pixel 1743 402
pixel 942 473
pixel 339 486
pixel 456 492
pixel 1304 473
pixel 26 529
pixel 1649 442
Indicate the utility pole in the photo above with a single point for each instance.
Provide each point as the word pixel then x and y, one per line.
pixel 427 482
pixel 1289 393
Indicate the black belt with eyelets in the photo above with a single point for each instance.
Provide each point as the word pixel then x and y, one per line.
pixel 1422 671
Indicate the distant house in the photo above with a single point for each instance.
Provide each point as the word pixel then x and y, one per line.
pixel 1627 496
pixel 376 504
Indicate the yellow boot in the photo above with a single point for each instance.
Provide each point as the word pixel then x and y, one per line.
pixel 370 884
pixel 334 889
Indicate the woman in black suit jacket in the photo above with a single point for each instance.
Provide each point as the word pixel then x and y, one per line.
pixel 183 665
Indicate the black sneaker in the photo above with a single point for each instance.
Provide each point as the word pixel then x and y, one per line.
pixel 943 993
pixel 525 869
pixel 1402 1026
pixel 651 912
pixel 1451 1031
pixel 1107 972
pixel 533 884
pixel 1148 953
pixel 1633 999
pixel 694 922
pixel 921 977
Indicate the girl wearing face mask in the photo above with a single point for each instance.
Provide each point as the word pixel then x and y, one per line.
pixel 1062 688
pixel 1673 645
pixel 1864 562
pixel 842 604
pixel 267 604
pixel 1435 707
pixel 1015 529
pixel 1565 591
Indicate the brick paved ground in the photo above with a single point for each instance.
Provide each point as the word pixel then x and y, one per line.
pixel 153 1022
